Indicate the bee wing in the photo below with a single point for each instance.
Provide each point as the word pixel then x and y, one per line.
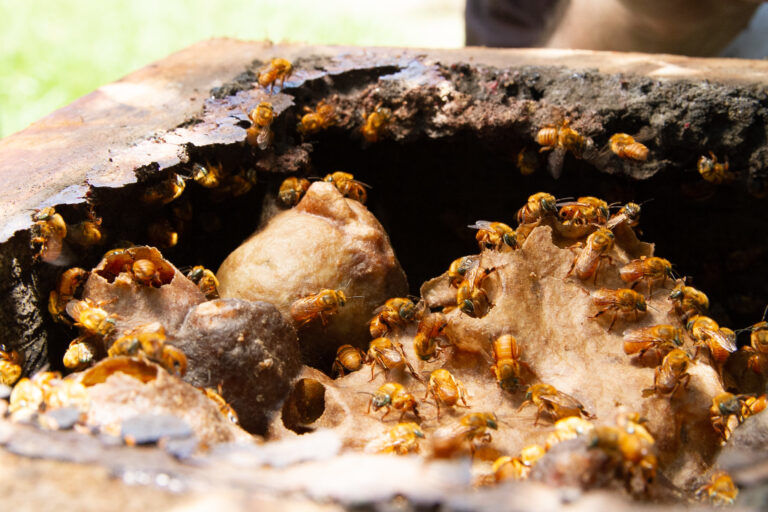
pixel 361 183
pixel 725 341
pixel 561 399
pixel 481 224
pixel 74 308
pixel 555 162
pixel 615 221
pixel 640 336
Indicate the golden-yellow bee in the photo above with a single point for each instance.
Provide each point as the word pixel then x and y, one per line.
pixel 313 121
pixel 586 210
pixel 621 302
pixel 83 351
pixel 527 161
pixel 658 339
pixel 260 133
pixel 651 270
pixel 162 234
pixel 165 191
pixel 471 297
pixel 625 146
pixel 459 268
pixel 629 213
pixel 376 123
pixel 720 341
pixel 401 439
pixel 278 70
pixel 517 468
pixel 10 365
pixel 495 236
pixel 389 355
pixel 425 341
pixel 205 280
pixel 150 341
pixel 539 205
pixel 49 233
pixel 26 395
pixel 86 233
pixel 508 367
pixel 712 171
pixel 392 395
pixel 208 175
pixel 322 305
pixel 563 136
pixel 688 301
pixel 554 403
pixel 752 405
pixel 720 489
pixel 224 407
pixel 726 413
pixel 472 428
pixel 671 374
pixel 291 191
pixel 634 452
pixel 69 283
pixel 146 273
pixel 91 318
pixel 568 428
pixel 445 389
pixel 396 312
pixel 116 261
pixel 348 358
pixel 587 262
pixel 348 185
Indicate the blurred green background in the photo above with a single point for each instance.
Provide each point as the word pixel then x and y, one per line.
pixel 56 51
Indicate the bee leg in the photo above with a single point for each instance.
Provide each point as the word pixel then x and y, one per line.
pixel 368 411
pixel 538 414
pixel 389 409
pixel 613 321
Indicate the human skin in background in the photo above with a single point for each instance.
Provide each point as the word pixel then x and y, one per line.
pixel 688 27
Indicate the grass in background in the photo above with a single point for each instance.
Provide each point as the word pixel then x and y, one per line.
pixel 56 51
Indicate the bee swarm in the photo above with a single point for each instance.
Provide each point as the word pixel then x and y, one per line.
pixel 171 359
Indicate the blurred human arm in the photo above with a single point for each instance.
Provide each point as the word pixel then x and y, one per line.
pixel 689 27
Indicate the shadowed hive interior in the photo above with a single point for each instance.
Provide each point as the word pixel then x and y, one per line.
pixel 447 159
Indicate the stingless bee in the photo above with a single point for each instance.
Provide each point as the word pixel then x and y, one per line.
pixel 208 175
pixel 313 121
pixel 10 365
pixel 726 411
pixel 720 489
pixel 758 345
pixel 376 123
pixel 348 358
pixel 471 298
pixel 560 139
pixel 396 312
pixel 393 396
pixel 712 171
pixel 625 146
pixel 538 206
pixel 348 185
pixel 670 375
pixel 651 270
pixel 634 452
pixel 322 305
pixel 517 468
pixel 425 342
pixel 720 341
pixel 83 351
pixel 554 403
pixel 86 233
pixel 629 213
pixel 586 210
pixel 401 439
pixel 150 341
pixel 278 70
pixel 291 190
pixel 587 262
pixel 165 191
pixel 49 233
pixel 91 318
pixel 688 301
pixel 68 285
pixel 527 161
pixel 205 280
pixel 507 367
pixel 260 133
pixel 621 302
pixel 162 234
pixel 222 404
pixel 658 339
pixel 445 389
pixel 459 268
pixel 495 236
pixel 388 354
pixel 568 428
pixel 472 428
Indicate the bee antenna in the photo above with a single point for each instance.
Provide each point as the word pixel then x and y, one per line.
pixel 765 312
pixel 653 308
pixel 356 297
pixel 364 393
pixel 646 201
